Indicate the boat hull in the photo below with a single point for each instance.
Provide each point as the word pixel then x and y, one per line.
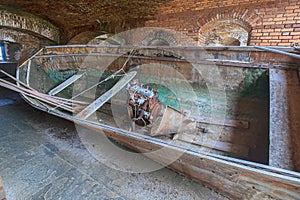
pixel 233 177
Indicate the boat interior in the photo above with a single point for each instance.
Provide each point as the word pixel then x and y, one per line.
pixel 226 116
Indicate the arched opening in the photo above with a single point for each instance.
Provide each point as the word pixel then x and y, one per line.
pixel 229 32
pixel 160 38
pixel 234 42
pixel 10 53
pixel 158 42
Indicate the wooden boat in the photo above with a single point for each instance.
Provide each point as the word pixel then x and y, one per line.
pixel 224 118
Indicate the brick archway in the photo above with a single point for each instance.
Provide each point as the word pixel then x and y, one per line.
pixel 159 38
pixel 224 32
pixel 227 27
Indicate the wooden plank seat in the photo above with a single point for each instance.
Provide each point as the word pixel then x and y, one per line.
pixel 65 84
pixel 95 105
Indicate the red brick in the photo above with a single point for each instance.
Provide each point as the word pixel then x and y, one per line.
pixel 267 30
pixel 265 44
pixel 287 30
pixel 268 23
pixel 275 41
pixel 291 7
pixel 291 22
pixel 278 25
pixel 257 34
pixel 291 14
pixel 266 34
pixel 275 33
pixel 269 37
pixel 284 44
pixel 279 19
pixel 286 37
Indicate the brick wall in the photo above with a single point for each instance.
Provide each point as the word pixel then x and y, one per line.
pixel 271 23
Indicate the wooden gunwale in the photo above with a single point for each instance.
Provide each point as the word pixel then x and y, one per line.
pixel 218 62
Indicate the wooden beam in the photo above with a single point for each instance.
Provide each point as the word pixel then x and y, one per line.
pixel 95 105
pixel 65 84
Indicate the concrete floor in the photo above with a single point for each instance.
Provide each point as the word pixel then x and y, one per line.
pixel 37 164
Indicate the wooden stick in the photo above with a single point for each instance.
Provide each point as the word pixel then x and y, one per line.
pixel 34 94
pixel 46 95
pixel 12 77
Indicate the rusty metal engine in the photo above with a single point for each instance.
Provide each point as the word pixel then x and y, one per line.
pixel 144 105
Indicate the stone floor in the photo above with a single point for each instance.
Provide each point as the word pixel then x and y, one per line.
pixel 36 164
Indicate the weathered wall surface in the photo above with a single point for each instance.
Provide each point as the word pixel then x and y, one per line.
pixel 269 23
pixel 28 30
pixel 284 122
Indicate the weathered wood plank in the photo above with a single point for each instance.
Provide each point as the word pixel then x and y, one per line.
pixel 95 105
pixel 65 84
pixel 237 123
pixel 218 145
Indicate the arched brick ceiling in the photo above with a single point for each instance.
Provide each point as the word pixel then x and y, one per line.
pixel 74 16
